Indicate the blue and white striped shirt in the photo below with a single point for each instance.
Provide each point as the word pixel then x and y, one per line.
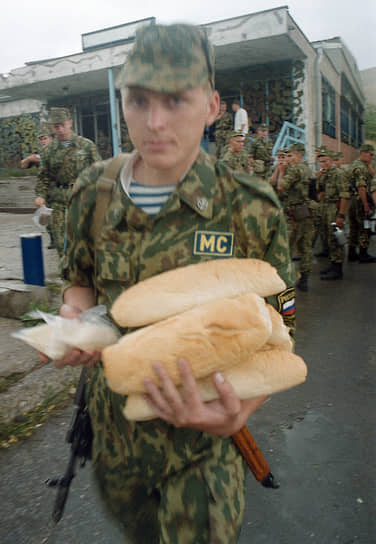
pixel 149 198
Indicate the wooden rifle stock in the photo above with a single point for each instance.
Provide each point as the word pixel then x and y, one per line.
pixel 254 458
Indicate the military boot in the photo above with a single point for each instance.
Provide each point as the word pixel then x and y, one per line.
pixel 352 255
pixel 365 257
pixel 302 283
pixel 335 272
pixel 323 253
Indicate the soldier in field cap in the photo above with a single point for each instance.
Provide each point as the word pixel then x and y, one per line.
pixel 178 477
pixel 62 161
pixel 260 151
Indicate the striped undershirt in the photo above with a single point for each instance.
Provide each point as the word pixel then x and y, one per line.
pixel 149 198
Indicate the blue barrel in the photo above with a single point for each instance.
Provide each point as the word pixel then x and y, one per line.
pixel 32 259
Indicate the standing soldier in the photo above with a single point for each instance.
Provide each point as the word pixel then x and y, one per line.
pixel 333 204
pixel 44 138
pixel 260 151
pixel 177 478
pixel 223 126
pixel 363 187
pixel 62 161
pixel 236 157
pixel 295 188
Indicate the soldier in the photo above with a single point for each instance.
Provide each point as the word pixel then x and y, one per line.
pixel 278 170
pixel 44 138
pixel 363 186
pixel 62 161
pixel 223 126
pixel 236 157
pixel 333 204
pixel 295 188
pixel 260 151
pixel 177 478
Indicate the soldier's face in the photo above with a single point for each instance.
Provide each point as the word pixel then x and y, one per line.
pixel 223 108
pixel 237 144
pixel 262 134
pixel 63 131
pixel 167 128
pixel 325 163
pixel 44 140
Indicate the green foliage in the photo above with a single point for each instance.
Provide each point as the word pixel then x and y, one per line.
pixel 18 138
pixel 370 122
pixel 31 321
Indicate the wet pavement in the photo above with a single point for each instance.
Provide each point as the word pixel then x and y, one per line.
pixel 319 439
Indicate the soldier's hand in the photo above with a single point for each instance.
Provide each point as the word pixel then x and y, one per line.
pixel 74 357
pixel 184 408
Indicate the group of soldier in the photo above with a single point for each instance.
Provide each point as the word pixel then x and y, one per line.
pixel 315 204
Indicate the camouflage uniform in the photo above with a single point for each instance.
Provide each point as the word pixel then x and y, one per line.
pixel 236 161
pixel 166 484
pixel 335 187
pixel 295 189
pixel 137 462
pixel 261 151
pixel 60 168
pixel 223 126
pixel 359 176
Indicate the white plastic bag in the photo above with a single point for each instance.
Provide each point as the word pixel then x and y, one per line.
pixel 92 331
pixel 42 216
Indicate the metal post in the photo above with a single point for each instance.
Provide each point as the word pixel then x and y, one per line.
pixel 114 123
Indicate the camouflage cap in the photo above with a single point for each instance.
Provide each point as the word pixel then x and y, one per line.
pixel 263 126
pixel 321 149
pixel 297 147
pixel 235 133
pixel 168 59
pixel 58 115
pixel 44 130
pixel 325 153
pixel 337 155
pixel 282 151
pixel 368 148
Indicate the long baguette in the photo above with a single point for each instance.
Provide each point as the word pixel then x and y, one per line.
pixel 263 373
pixel 178 290
pixel 212 337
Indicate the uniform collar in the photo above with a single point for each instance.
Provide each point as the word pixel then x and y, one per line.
pixel 196 188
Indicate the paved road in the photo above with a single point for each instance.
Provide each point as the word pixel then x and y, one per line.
pixel 319 439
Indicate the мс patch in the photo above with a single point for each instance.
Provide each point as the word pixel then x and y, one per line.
pixel 213 243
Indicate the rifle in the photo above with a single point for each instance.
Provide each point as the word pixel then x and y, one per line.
pixel 254 458
pixel 80 437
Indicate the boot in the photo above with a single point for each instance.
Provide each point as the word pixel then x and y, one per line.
pixel 323 253
pixel 302 284
pixel 364 256
pixel 352 255
pixel 334 273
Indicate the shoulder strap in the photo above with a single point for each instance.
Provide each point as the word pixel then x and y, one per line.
pixel 105 186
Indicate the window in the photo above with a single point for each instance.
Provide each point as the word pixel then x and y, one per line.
pixel 328 97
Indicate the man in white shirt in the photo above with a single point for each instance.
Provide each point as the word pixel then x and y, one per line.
pixel 241 118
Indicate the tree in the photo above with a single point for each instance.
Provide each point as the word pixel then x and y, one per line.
pixel 370 122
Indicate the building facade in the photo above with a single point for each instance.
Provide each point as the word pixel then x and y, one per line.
pixel 262 58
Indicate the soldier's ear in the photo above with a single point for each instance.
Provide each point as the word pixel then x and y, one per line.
pixel 213 107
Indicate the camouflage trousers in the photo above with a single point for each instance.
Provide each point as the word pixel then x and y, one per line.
pixel 57 225
pixel 300 240
pixel 358 235
pixel 329 212
pixel 164 485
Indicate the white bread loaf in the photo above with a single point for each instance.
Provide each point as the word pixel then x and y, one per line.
pixel 263 373
pixel 178 290
pixel 214 336
pixel 280 336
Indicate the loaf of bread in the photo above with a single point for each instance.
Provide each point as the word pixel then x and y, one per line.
pixel 262 373
pixel 280 336
pixel 213 336
pixel 178 290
